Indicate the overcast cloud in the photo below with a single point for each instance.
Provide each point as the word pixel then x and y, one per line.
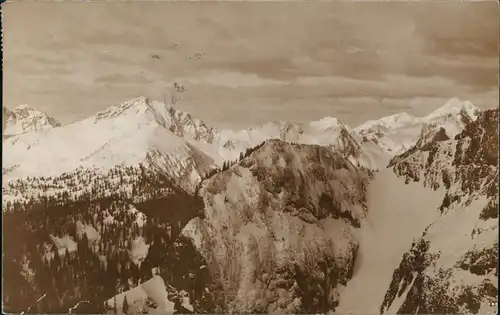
pixel 248 63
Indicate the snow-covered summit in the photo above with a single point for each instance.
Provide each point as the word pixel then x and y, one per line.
pixel 454 107
pixel 24 118
pixel 176 121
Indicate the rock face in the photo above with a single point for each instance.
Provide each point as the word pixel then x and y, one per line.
pixel 277 232
pixel 452 267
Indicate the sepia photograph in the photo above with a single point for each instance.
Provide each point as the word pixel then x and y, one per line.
pixel 250 157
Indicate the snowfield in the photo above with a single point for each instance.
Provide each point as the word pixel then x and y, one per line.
pixel 397 216
pixel 153 289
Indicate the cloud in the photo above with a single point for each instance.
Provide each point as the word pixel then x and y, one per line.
pixel 284 58
pixel 388 86
pixel 232 80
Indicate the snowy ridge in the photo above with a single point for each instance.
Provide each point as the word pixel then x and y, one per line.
pixel 465 165
pixel 24 119
pixel 327 131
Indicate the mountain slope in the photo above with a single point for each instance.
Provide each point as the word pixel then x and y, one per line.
pixel 277 232
pixel 452 267
pixel 131 133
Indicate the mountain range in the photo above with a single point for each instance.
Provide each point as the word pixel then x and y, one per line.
pixel 186 148
pixel 158 212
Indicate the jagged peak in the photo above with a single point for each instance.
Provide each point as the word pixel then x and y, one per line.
pixel 25 110
pixel 24 118
pixel 175 120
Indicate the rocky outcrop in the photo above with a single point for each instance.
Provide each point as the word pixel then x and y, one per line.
pixel 24 118
pixel 277 229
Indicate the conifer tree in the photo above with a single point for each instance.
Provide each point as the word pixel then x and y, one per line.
pixel 125 305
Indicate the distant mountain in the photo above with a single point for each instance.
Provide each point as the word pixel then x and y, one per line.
pixel 397 133
pixel 24 118
pixel 143 208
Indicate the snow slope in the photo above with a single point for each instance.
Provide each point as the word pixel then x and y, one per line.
pixel 138 298
pixel 128 134
pixel 442 204
pixel 396 217
pixel 169 140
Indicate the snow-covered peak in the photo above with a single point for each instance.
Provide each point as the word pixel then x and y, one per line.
pixel 136 131
pixel 25 118
pixel 141 128
pixel 397 133
pixel 327 131
pixel 176 121
pixel 277 213
pixel 454 107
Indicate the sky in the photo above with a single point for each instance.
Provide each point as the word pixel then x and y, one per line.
pixel 248 63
